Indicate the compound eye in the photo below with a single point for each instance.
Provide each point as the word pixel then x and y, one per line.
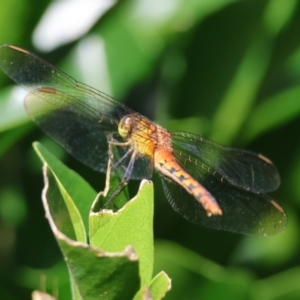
pixel 125 126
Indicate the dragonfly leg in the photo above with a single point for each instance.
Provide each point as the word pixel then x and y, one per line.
pixel 123 183
pixel 118 163
pixel 111 141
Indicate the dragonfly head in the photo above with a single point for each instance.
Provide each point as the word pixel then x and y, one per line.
pixel 125 126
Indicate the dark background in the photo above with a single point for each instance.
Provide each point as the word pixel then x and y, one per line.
pixel 229 70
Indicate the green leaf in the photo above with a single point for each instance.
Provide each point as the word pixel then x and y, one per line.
pixel 131 225
pixel 73 187
pixel 160 285
pixel 94 273
pixel 143 293
pixel 112 232
pixel 99 274
pixel 157 289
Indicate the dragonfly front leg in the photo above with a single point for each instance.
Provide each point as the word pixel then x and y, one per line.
pixel 112 142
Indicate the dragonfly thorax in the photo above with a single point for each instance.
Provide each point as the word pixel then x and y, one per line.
pixel 140 132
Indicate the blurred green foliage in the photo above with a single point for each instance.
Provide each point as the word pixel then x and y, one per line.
pixel 229 70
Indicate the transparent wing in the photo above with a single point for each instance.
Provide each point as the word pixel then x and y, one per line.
pixel 75 115
pixel 77 132
pixel 244 169
pixel 237 180
pixel 243 212
pixel 32 73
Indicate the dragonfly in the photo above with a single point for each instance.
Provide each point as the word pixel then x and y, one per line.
pixel 208 184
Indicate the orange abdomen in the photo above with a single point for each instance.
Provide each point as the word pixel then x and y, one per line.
pixel 167 164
